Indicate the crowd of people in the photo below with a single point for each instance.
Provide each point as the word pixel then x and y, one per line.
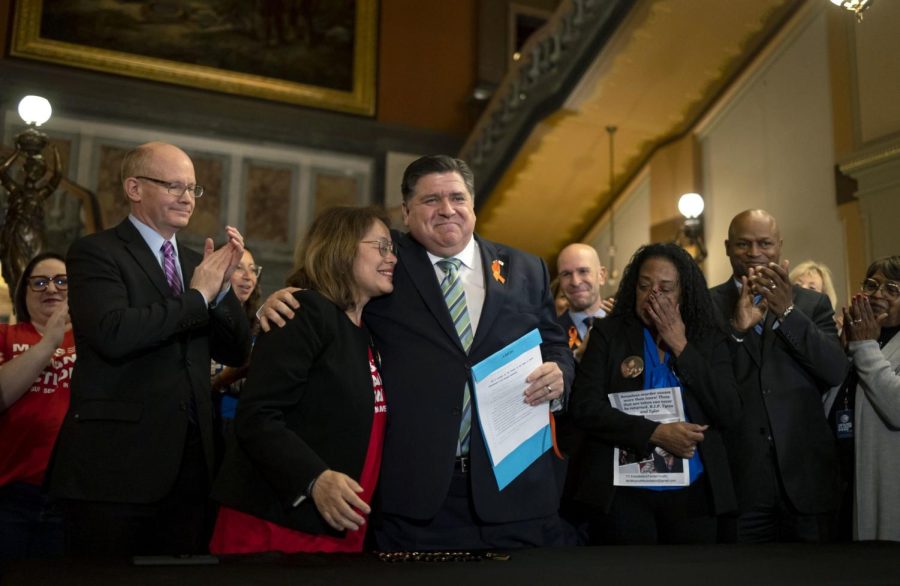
pixel 748 412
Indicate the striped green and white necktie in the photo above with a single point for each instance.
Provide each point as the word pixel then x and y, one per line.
pixel 455 298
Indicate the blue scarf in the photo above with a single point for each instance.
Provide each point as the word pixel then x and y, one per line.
pixel 659 375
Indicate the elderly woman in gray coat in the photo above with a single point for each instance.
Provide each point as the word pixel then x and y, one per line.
pixel 871 325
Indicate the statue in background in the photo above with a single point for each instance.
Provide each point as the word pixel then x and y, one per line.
pixel 22 234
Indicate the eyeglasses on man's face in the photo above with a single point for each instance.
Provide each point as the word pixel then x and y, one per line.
pixel 254 270
pixel 385 247
pixel 173 187
pixel 891 289
pixel 39 283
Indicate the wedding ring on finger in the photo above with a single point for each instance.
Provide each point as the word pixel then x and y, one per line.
pixel 549 390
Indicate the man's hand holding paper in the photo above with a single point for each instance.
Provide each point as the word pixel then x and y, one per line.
pixel 516 433
pixel 546 384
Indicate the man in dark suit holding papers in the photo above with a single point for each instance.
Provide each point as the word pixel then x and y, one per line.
pixel 457 300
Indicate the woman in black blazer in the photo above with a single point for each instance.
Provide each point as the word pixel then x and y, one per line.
pixel 310 422
pixel 662 333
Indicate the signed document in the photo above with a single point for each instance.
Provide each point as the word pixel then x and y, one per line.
pixel 515 433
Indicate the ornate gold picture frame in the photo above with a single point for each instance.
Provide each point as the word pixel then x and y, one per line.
pixel 318 53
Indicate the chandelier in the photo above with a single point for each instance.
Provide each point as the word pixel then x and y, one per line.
pixel 855 6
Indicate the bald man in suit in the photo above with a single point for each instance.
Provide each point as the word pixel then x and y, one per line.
pixel 786 355
pixel 134 459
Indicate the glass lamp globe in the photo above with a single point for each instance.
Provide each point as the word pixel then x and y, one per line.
pixel 690 205
pixel 34 110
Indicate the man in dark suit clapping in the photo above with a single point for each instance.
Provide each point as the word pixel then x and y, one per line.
pixel 135 454
pixel 786 355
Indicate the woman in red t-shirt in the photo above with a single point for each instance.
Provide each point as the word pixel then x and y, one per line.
pixel 36 358
pixel 310 422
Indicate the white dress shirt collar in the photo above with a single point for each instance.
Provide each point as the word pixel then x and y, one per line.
pixel 466 255
pixel 154 240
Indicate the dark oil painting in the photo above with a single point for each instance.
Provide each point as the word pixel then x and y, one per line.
pixel 319 53
pixel 303 41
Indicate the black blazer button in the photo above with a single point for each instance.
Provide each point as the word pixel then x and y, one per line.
pixel 457 411
pixel 182 406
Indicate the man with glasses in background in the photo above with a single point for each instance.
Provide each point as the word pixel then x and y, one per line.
pixel 786 355
pixel 134 458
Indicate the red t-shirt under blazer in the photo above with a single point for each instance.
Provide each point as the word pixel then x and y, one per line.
pixel 238 532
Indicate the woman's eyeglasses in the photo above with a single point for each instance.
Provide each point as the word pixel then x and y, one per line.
pixel 385 247
pixel 251 270
pixel 38 283
pixel 890 288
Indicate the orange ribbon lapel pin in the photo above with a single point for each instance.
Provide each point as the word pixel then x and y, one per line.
pixel 495 271
pixel 573 337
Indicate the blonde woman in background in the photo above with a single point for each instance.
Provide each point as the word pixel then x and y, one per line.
pixel 816 276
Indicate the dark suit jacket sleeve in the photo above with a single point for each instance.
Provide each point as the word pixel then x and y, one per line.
pixel 707 374
pixel 99 303
pixel 279 371
pixel 812 339
pixel 589 405
pixel 229 340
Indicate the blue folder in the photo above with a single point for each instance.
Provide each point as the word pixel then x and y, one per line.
pixel 506 470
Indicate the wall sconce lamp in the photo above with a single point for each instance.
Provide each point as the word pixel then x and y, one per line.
pixel 690 236
pixel 31 142
pixel 35 110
